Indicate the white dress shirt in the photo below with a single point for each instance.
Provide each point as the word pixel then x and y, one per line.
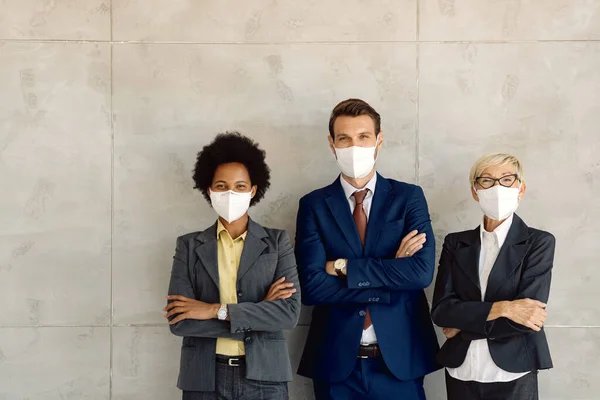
pixel 368 335
pixel 479 365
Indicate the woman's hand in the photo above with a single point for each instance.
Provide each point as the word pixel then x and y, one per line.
pixel 528 312
pixel 280 290
pixel 450 332
pixel 186 308
pixel 411 244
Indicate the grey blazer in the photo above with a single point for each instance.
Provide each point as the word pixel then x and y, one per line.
pixel 267 256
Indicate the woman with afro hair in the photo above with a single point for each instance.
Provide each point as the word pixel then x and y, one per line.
pixel 234 286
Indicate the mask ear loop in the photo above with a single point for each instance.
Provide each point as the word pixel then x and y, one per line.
pixel 377 152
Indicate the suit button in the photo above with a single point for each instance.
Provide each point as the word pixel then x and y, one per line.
pixel 362 313
pixel 370 299
pixel 248 330
pixel 237 330
pixel 376 298
pixel 248 340
pixel 359 284
pixel 367 283
pixel 240 293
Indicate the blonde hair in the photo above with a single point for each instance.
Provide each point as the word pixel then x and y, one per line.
pixel 495 159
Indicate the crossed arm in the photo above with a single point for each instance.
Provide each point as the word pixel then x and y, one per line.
pixel 322 286
pixel 280 309
pixel 477 319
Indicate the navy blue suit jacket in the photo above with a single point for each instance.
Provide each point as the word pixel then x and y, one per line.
pixel 391 288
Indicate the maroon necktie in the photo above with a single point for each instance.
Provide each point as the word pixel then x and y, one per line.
pixel 360 219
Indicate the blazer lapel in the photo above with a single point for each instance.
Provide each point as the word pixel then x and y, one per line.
pixel 253 247
pixel 510 257
pixel 382 199
pixel 208 253
pixel 339 207
pixel 467 257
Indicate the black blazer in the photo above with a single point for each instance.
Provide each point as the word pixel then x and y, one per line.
pixel 522 270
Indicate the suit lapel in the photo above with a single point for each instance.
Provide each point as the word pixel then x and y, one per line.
pixel 467 256
pixel 208 253
pixel 510 257
pixel 339 207
pixel 253 247
pixel 380 205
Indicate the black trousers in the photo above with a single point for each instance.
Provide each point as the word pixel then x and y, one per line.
pixel 231 384
pixel 524 388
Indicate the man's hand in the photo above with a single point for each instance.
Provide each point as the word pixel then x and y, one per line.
pixel 330 269
pixel 450 332
pixel 528 312
pixel 189 309
pixel 280 290
pixel 411 243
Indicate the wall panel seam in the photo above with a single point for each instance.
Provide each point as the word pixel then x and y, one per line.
pixel 112 221
pixel 324 43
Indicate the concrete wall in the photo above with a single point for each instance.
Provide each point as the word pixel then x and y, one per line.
pixel 103 107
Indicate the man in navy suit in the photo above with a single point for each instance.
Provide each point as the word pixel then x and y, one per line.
pixel 365 251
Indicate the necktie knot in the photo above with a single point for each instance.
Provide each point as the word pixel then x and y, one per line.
pixel 359 196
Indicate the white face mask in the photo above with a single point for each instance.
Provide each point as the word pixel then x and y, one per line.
pixel 356 162
pixel 498 202
pixel 230 205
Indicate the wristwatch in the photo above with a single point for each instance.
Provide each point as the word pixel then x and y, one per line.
pixel 339 265
pixel 222 313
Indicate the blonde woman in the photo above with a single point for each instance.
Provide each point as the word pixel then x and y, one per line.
pixel 491 292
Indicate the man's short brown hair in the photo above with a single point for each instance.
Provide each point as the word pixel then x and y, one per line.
pixel 354 108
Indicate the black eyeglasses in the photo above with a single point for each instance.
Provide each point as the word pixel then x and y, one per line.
pixel 487 182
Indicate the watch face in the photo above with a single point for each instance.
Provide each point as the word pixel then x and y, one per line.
pixel 222 313
pixel 339 264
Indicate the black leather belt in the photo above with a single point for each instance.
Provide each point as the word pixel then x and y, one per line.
pixel 236 361
pixel 369 351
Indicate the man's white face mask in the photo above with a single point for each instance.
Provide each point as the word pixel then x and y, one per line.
pixel 356 162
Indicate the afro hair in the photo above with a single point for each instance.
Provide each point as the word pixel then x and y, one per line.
pixel 232 147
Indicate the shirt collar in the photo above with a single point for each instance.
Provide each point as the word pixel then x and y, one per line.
pixel 501 232
pixel 349 189
pixel 221 228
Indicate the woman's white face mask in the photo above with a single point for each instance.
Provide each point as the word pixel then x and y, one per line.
pixel 356 162
pixel 230 205
pixel 499 202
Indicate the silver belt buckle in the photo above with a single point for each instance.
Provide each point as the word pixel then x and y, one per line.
pixel 232 362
